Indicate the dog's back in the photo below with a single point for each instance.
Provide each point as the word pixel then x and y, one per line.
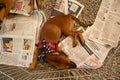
pixel 53 28
pixel 64 22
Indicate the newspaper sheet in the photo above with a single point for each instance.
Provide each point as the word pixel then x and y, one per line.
pixel 100 53
pixel 104 34
pixel 17 39
pixel 106 29
pixel 67 7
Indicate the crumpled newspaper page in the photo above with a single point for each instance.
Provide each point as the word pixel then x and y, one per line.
pixel 106 29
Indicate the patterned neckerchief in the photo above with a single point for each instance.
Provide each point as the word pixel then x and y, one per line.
pixel 48 47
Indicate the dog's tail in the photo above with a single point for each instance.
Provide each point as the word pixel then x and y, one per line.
pixel 79 22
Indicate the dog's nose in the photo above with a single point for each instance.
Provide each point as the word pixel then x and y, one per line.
pixel 72 65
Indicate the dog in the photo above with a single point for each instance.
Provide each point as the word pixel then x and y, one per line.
pixel 52 31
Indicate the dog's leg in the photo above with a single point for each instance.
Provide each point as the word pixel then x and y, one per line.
pixel 80 36
pixel 9 6
pixel 74 34
pixel 2 12
pixel 74 39
pixel 39 3
pixel 32 6
pixel 35 58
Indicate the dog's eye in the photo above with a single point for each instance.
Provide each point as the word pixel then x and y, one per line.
pixel 2 5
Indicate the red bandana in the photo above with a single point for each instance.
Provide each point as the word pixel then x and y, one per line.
pixel 53 45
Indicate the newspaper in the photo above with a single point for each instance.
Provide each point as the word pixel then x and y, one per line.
pixel 67 7
pixel 17 39
pixel 22 7
pixel 106 29
pixel 100 53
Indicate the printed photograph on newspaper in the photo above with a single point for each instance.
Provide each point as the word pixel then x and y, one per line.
pixel 67 7
pixel 7 44
pixel 21 7
pixel 27 44
pixel 75 7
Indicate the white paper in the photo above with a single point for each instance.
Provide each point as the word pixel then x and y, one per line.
pixel 17 39
pixel 22 7
pixel 106 29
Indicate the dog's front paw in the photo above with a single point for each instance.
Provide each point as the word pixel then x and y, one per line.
pixel 75 43
pixel 83 43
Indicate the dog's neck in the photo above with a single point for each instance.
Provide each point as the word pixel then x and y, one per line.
pixel 44 43
pixel 46 46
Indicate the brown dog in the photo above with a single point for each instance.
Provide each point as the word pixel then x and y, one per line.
pixel 52 31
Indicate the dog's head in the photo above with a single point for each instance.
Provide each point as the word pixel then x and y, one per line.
pixel 59 60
